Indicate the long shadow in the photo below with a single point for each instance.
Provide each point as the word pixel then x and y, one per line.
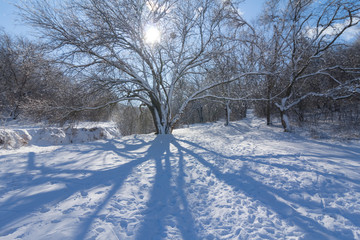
pixel 166 200
pixel 122 148
pixel 267 195
pixel 163 203
pixel 154 224
pixel 184 216
pixel 17 207
pixel 155 152
pixel 353 151
pixel 341 188
pixel 257 159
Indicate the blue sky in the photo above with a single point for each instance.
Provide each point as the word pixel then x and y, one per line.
pixel 9 21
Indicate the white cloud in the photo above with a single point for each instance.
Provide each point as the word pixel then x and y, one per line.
pixel 348 35
pixel 352 33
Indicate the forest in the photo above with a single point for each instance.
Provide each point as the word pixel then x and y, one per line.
pixel 156 65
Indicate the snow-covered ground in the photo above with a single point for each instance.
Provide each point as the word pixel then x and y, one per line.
pixel 208 181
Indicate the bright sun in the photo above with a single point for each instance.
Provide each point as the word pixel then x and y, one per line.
pixel 152 35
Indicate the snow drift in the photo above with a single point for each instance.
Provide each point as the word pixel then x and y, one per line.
pixel 16 138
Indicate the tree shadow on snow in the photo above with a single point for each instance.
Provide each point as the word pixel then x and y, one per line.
pixel 276 199
pixel 166 200
pixel 18 207
pixel 167 208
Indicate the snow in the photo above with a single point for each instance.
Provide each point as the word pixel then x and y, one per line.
pixel 13 137
pixel 207 181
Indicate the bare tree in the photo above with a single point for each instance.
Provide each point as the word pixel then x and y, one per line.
pixel 32 86
pixel 22 69
pixel 272 52
pixel 225 68
pixel 302 32
pixel 140 49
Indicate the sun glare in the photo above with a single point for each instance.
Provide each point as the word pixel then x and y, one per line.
pixel 152 35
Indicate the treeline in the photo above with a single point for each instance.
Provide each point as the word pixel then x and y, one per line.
pixel 338 109
pixel 37 88
pixel 34 86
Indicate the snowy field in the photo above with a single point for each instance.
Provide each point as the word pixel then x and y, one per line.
pixel 208 181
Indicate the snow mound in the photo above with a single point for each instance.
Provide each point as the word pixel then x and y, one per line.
pixel 11 139
pixel 16 138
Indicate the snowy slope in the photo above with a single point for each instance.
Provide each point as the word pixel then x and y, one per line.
pixel 208 181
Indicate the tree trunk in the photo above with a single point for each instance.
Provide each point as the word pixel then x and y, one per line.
pixel 268 112
pixel 268 102
pixel 200 113
pixel 227 112
pixel 15 112
pixel 285 121
pixel 161 122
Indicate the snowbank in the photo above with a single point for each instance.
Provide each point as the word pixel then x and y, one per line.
pixel 16 138
pixel 10 139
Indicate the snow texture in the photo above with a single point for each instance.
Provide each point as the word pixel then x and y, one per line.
pixel 208 181
pixel 13 137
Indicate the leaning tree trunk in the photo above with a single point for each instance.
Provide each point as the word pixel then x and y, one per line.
pixel 283 107
pixel 285 122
